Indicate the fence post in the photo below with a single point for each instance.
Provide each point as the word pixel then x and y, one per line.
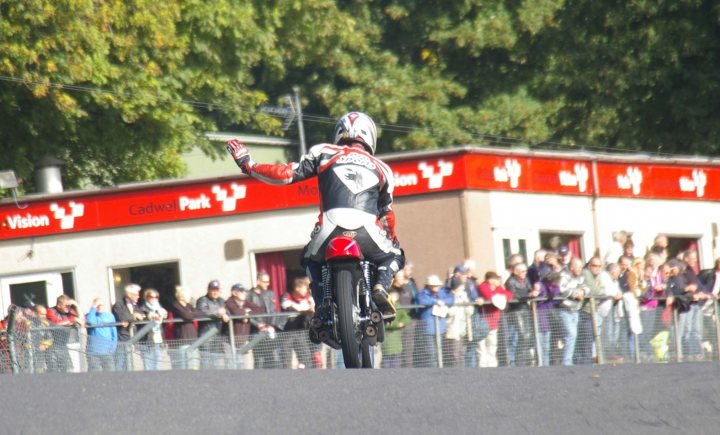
pixel 129 360
pixel 231 333
pixel 678 338
pixel 636 339
pixel 438 342
pixel 210 333
pixel 11 340
pixel 31 351
pixel 596 332
pixel 536 329
pixel 717 327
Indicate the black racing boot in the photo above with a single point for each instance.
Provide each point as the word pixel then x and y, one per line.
pixel 382 300
pixel 380 296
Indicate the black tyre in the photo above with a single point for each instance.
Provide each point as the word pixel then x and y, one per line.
pixel 349 327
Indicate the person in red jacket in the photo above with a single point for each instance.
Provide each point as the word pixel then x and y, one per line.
pixel 491 291
pixel 65 313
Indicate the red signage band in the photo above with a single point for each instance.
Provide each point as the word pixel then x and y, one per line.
pixel 470 170
pixel 659 181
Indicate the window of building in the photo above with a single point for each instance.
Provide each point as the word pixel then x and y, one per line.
pixel 163 277
pixel 554 240
pixel 514 246
pixel 677 245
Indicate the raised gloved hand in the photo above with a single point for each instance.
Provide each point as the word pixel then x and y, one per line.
pixel 240 153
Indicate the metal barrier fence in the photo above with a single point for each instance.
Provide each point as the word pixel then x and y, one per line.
pixel 536 334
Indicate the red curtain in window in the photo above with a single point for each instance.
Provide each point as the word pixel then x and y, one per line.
pixel 573 244
pixel 274 264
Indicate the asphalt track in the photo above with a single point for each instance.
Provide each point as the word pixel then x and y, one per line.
pixel 627 399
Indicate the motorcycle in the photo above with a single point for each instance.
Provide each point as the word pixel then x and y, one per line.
pixel 347 318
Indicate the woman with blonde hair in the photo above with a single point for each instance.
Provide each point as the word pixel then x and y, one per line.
pixel 185 332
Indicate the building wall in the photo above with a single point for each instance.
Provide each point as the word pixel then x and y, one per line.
pixel 646 218
pixel 477 216
pixel 430 229
pixel 198 246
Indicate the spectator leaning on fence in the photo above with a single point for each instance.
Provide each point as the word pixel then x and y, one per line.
pixel 584 345
pixel 698 296
pixel 436 299
pixel 491 290
pixel 405 296
pixel 549 290
pixel 266 354
pixel 151 343
pixel 300 301
pixel 65 313
pixel 571 296
pixel 213 305
pixel 42 339
pixel 102 340
pixel 392 346
pixel 610 312
pixel 710 278
pixel 184 332
pixel 518 317
pixel 649 314
pixel 238 305
pixel 471 290
pixel 458 322
pixel 126 312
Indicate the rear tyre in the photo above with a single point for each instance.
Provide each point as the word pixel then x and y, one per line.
pixel 349 330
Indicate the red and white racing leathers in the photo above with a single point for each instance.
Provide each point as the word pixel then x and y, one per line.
pixel 355 195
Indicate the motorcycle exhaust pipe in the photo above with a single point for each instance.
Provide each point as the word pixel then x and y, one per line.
pixel 376 317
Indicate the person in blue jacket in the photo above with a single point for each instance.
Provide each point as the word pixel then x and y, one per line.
pixel 102 340
pixel 436 299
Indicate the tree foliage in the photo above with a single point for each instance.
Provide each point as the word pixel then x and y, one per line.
pixel 119 89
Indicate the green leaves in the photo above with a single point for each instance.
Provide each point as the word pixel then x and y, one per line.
pixel 120 89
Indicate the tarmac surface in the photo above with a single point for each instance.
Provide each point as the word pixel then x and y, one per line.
pixel 627 399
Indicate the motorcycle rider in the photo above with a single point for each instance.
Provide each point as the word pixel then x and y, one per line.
pixel 355 198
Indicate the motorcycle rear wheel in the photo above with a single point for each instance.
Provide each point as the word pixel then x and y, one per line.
pixel 356 353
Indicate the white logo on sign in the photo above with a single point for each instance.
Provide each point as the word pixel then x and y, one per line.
pixel 435 179
pixel 695 184
pixel 509 173
pixel 402 180
pixel 579 177
pixel 631 180
pixel 229 202
pixel 356 178
pixel 67 220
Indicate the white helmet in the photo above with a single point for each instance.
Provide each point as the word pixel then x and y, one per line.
pixel 356 127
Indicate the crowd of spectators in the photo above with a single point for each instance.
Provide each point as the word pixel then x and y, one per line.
pixel 565 310
pixel 558 309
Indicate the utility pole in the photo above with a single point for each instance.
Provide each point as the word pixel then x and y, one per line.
pixel 298 113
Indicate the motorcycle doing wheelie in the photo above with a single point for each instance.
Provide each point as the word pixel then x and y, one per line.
pixel 347 317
